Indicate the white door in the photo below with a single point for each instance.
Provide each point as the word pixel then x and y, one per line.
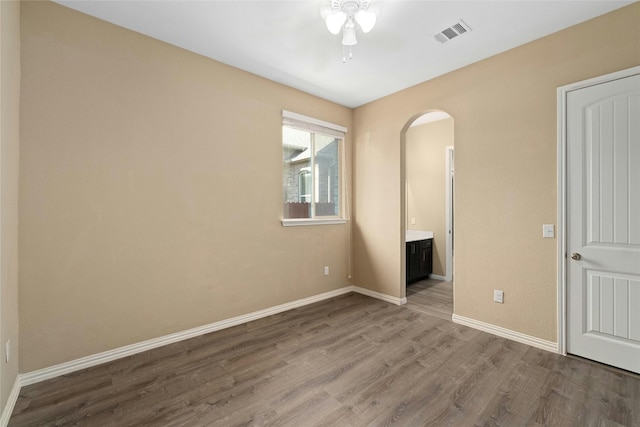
pixel 603 222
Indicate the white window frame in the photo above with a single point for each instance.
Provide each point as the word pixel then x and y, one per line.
pixel 300 121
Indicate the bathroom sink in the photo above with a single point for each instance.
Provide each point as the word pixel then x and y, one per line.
pixel 414 235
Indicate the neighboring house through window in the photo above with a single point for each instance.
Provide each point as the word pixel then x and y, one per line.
pixel 312 152
pixel 304 185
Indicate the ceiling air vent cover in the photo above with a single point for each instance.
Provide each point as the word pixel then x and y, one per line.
pixel 449 33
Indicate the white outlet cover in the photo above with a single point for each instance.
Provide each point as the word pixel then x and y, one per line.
pixel 498 296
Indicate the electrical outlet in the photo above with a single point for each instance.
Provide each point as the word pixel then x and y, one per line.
pixel 498 296
pixel 326 270
pixel 6 351
pixel 413 221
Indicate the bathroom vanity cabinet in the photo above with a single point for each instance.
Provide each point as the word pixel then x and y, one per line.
pixel 419 260
pixel 419 255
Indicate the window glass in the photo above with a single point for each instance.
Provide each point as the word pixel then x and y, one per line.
pixel 304 180
pixel 311 173
pixel 327 183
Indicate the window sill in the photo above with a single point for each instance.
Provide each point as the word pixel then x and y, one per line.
pixel 306 221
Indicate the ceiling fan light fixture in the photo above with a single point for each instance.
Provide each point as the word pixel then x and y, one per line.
pixel 343 17
pixel 366 20
pixel 349 35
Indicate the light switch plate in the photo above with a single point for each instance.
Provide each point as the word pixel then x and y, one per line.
pixel 548 231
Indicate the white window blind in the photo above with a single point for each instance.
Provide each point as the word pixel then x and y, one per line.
pixel 313 125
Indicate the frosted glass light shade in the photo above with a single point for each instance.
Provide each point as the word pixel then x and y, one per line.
pixel 366 20
pixel 335 21
pixel 349 36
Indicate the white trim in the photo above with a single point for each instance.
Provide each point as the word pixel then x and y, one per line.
pixel 438 277
pixel 562 93
pixel 11 402
pixel 311 221
pixel 380 296
pixel 303 118
pixel 110 355
pixel 506 333
pixel 562 222
pixel 449 170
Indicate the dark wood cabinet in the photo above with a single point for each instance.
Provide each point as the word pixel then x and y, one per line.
pixel 419 260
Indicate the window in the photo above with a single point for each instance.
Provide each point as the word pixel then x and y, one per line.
pixel 312 153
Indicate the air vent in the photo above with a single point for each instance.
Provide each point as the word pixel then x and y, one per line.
pixel 450 33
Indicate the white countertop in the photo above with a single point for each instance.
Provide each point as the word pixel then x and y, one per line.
pixel 414 235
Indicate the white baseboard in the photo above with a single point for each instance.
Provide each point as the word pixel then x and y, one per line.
pixel 507 333
pixel 380 296
pixel 11 402
pixel 128 350
pixel 436 277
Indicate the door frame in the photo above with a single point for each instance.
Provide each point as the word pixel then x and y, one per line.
pixel 562 93
pixel 449 171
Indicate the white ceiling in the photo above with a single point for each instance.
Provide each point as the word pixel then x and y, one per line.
pixel 287 41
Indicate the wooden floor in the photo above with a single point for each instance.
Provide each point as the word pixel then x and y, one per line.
pixel 348 361
pixel 430 296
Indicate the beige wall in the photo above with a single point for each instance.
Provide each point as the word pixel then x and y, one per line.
pixel 504 111
pixel 426 183
pixel 9 148
pixel 151 191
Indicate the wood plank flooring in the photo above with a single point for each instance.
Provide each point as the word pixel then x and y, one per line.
pixel 430 296
pixel 348 361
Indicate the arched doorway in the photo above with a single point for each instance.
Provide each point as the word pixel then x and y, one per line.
pixel 427 213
